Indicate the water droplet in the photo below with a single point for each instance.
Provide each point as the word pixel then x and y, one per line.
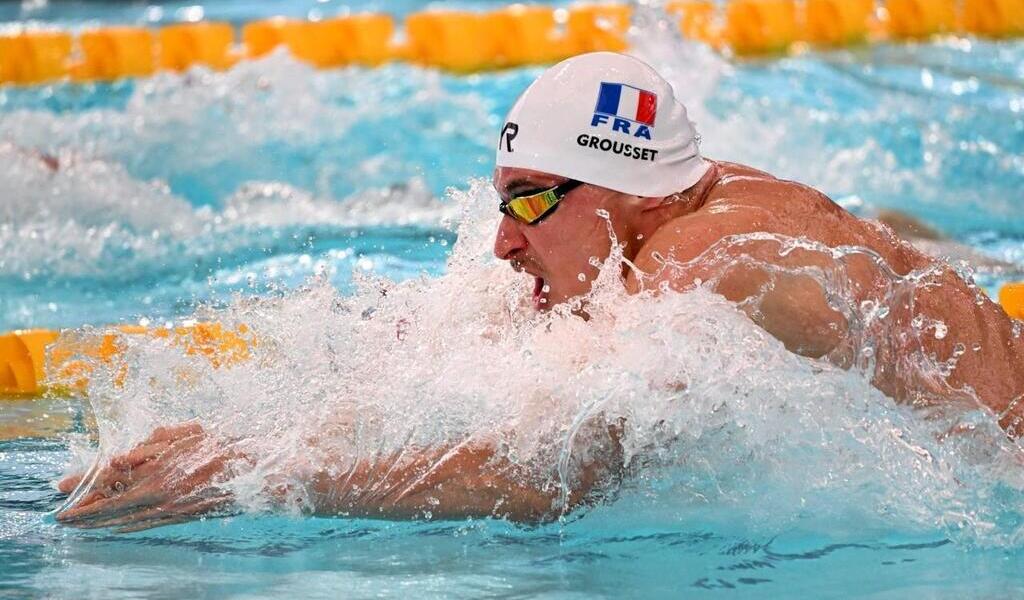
pixel 581 277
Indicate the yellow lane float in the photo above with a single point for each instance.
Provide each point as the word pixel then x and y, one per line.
pixel 24 370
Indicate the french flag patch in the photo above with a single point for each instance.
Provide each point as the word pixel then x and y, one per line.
pixel 627 102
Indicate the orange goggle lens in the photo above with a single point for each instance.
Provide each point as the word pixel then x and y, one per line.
pixel 533 207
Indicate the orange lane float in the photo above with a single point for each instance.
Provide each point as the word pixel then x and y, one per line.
pixel 837 22
pixel 529 35
pixel 262 37
pixel 460 41
pixel 761 26
pixel 994 18
pixel 698 20
pixel 34 56
pixel 920 18
pixel 24 370
pixel 594 27
pixel 466 41
pixel 1011 297
pixel 188 44
pixel 359 39
pixel 115 52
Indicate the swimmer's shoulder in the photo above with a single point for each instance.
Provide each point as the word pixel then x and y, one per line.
pixel 684 238
pixel 742 200
pixel 740 187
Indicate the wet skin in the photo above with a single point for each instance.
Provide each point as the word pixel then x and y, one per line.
pixel 676 242
pixel 686 239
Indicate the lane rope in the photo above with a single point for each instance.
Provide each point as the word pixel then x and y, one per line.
pixel 466 41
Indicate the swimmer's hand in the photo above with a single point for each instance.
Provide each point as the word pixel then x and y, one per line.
pixel 171 477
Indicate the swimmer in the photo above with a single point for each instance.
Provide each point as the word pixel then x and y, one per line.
pixel 598 145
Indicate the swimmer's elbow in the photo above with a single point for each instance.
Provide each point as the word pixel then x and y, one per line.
pixel 811 329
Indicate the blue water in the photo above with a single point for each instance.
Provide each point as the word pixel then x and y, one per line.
pixel 181 193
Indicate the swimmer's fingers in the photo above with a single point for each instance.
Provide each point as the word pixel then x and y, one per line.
pixel 159 486
pixel 138 455
pixel 157 443
pixel 158 516
pixel 171 433
pixel 98 509
pixel 199 509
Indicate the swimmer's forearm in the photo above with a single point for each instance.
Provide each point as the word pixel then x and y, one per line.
pixel 462 481
pixel 457 482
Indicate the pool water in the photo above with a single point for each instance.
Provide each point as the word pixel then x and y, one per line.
pixel 287 198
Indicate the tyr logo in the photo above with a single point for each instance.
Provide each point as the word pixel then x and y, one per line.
pixel 508 133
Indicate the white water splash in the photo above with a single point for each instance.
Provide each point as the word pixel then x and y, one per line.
pixel 720 422
pixel 74 216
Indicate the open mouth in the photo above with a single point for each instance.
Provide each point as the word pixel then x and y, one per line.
pixel 540 293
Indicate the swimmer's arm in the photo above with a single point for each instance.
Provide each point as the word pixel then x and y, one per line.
pixel 465 480
pixel 791 307
pixel 177 475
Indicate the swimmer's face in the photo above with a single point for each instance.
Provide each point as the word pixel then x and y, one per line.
pixel 556 251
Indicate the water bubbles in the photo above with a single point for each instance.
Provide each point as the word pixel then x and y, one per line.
pixel 940 330
pixel 581 277
pixel 602 213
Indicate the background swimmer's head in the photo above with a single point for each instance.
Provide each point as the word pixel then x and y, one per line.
pixel 607 120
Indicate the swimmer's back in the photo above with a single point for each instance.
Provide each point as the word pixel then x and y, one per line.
pixel 985 345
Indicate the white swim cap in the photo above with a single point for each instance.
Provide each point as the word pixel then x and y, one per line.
pixel 607 119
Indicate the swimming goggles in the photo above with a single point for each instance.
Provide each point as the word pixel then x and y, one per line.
pixel 531 208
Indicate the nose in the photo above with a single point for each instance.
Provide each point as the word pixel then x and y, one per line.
pixel 509 238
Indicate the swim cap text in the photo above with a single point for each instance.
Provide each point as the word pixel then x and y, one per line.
pixel 605 145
